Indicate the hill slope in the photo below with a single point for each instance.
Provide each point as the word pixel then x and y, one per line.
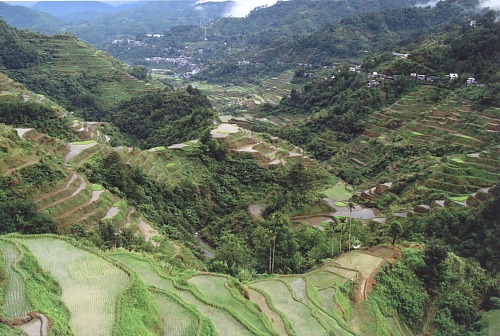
pixel 76 75
pixel 27 18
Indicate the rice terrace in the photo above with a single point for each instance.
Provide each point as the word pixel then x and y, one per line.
pixel 213 168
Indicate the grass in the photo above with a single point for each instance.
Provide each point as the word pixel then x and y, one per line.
pixel 97 187
pixel 338 192
pixel 90 285
pixel 273 316
pixel 340 204
pixel 223 321
pixel 364 263
pixel 416 133
pixel 15 303
pixel 170 165
pixel 457 160
pixel 463 136
pixel 491 327
pixel 86 142
pixel 458 198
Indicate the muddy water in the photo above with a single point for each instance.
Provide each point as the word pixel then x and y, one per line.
pixel 74 150
pixel 315 221
pixel 22 131
pixel 359 212
pixel 38 326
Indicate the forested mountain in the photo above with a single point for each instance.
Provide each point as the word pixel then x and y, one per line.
pixel 75 10
pixel 27 18
pixel 99 23
pixel 357 35
pixel 73 73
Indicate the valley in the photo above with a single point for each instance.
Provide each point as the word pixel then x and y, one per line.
pixel 291 178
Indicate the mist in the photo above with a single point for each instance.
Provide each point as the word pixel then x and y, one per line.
pixel 242 8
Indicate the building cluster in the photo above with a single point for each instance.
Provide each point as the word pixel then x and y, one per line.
pixel 132 42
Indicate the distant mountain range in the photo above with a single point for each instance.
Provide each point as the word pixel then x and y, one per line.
pixel 97 22
pixel 71 11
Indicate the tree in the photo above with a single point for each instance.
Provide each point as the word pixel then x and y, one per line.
pixel 350 205
pixel 234 251
pixel 396 230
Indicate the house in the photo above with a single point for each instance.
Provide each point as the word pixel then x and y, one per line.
pixel 421 77
pixel 431 78
pixel 413 75
pixel 400 55
pixel 453 76
pixel 372 83
pixel 471 81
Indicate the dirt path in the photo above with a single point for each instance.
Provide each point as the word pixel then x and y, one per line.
pixel 148 232
pixel 37 326
pixel 112 212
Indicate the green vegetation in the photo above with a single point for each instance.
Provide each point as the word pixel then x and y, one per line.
pixel 34 115
pixel 90 285
pixel 337 192
pixel 15 303
pixel 420 158
pixel 164 118
pixel 43 293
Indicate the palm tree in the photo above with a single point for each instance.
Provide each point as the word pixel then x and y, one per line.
pixel 342 221
pixel 350 205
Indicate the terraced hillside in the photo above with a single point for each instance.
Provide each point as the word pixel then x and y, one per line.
pixel 71 72
pixel 311 304
pixel 432 153
pixel 94 289
pixel 94 292
pixel 11 90
pixel 248 97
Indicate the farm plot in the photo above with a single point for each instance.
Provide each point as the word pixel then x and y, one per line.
pixel 299 315
pixel 223 321
pixel 176 319
pixel 215 289
pixel 275 318
pixel 15 303
pixel 325 279
pixel 362 262
pixel 90 285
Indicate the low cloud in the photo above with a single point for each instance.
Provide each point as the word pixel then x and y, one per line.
pixel 242 8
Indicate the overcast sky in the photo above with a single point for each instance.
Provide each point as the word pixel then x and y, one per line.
pixel 241 8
